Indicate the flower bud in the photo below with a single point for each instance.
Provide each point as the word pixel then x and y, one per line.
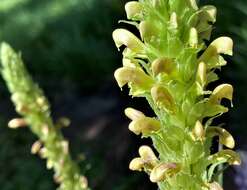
pixel 49 164
pixel 225 155
pixel 164 170
pixel 65 146
pixel 43 153
pixel 198 131
pixel 222 45
pixel 45 130
pixel 63 122
pixel 124 37
pixel 84 182
pixel 136 76
pixel 193 38
pixel 147 154
pixel 201 75
pixel 162 65
pixel 225 137
pixel 145 125
pixel 134 10
pixel 220 92
pixel 36 147
pixel 162 98
pixel 215 186
pixel 133 114
pixel 173 21
pixel 17 123
pixel 136 164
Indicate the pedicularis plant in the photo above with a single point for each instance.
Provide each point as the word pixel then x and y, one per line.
pixel 171 66
pixel 34 108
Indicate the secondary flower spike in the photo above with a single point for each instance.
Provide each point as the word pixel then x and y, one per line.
pixel 168 63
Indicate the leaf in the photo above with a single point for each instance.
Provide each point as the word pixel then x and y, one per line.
pixel 216 62
pixel 212 77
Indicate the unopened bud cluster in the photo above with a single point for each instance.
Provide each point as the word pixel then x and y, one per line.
pixel 32 105
pixel 171 66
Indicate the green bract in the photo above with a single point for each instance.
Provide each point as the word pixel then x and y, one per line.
pixel 165 67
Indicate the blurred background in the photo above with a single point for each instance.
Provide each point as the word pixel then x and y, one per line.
pixel 68 49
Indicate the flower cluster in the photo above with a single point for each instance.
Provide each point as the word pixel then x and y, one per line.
pixel 171 66
pixel 34 108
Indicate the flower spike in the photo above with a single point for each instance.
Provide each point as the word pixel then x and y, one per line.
pixel 171 66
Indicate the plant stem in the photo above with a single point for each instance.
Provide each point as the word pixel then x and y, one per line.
pixel 33 106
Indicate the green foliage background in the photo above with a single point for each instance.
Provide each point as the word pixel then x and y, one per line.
pixel 69 42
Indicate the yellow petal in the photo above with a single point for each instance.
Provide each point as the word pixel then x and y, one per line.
pixel 133 114
pixel 198 131
pixel 162 98
pixel 136 164
pixel 224 136
pixel 134 10
pixel 201 75
pixel 173 21
pixel 228 155
pixel 193 38
pixel 222 45
pixel 144 125
pixel 129 63
pixel 36 147
pixel 125 75
pixel 215 186
pixel 147 154
pixel 147 30
pixel 208 13
pixel 162 65
pixel 220 92
pixel 17 123
pixel 164 170
pixel 124 37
